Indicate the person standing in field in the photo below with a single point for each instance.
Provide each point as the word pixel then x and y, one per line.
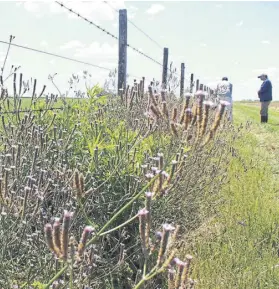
pixel 224 92
pixel 265 96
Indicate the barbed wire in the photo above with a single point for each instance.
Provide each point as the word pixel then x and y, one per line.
pixel 55 55
pixel 117 11
pixel 154 41
pixel 32 110
pixel 107 32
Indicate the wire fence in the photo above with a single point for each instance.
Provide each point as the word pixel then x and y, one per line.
pixel 166 69
pixel 107 32
pixel 30 110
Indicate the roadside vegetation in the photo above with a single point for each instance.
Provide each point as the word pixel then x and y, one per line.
pixel 140 190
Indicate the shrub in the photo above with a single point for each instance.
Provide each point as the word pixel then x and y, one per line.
pixel 96 158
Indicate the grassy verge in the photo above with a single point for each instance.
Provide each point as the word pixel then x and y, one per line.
pixel 238 248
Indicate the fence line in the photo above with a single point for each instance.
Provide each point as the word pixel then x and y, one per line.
pixel 29 110
pixel 107 32
pixel 122 57
pixel 55 55
pixel 117 11
pixel 123 44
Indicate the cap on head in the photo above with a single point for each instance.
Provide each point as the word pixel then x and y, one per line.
pixel 225 78
pixel 262 75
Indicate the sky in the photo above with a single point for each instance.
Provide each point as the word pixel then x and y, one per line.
pixel 236 39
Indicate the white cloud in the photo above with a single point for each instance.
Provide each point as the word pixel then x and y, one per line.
pixel 239 24
pixel 134 8
pixel 95 49
pixel 54 8
pixel 95 10
pixel 131 12
pixel 2 56
pixel 265 42
pixel 33 7
pixel 43 43
pixel 219 5
pixel 110 65
pixel 203 44
pixel 72 44
pixel 212 84
pixel 270 71
pixel 155 9
pixel 52 62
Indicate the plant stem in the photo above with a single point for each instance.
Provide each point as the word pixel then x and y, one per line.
pixel 144 267
pixel 56 276
pixel 105 226
pixel 118 227
pixel 121 210
pixel 149 276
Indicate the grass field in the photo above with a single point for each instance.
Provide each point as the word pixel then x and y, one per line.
pixel 239 247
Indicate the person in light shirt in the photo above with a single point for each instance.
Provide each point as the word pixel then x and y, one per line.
pixel 224 92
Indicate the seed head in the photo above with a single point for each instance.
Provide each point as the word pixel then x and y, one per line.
pixel 208 103
pixel 224 103
pixel 143 212
pixel 85 235
pixel 48 237
pixel 149 194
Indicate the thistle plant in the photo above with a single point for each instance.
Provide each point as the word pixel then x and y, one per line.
pixel 124 165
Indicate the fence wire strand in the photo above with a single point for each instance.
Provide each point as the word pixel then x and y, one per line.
pixel 131 22
pixel 32 110
pixel 55 55
pixel 107 32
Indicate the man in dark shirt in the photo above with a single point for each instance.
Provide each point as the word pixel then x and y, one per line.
pixel 265 96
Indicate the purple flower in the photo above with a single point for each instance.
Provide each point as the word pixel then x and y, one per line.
pixel 200 93
pixel 143 212
pixel 225 103
pixel 168 227
pixel 149 194
pixel 178 262
pixel 149 176
pixel 88 229
pixel 208 103
pixel 158 235
pixel 165 174
pixel 158 172
pixel 68 214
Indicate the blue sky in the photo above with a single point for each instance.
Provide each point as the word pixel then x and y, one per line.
pixel 214 39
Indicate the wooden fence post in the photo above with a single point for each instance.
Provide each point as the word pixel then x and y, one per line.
pixel 197 84
pixel 201 86
pixel 182 79
pixel 165 68
pixel 122 50
pixel 191 82
pixel 143 84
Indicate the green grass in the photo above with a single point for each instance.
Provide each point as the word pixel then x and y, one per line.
pixel 238 247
